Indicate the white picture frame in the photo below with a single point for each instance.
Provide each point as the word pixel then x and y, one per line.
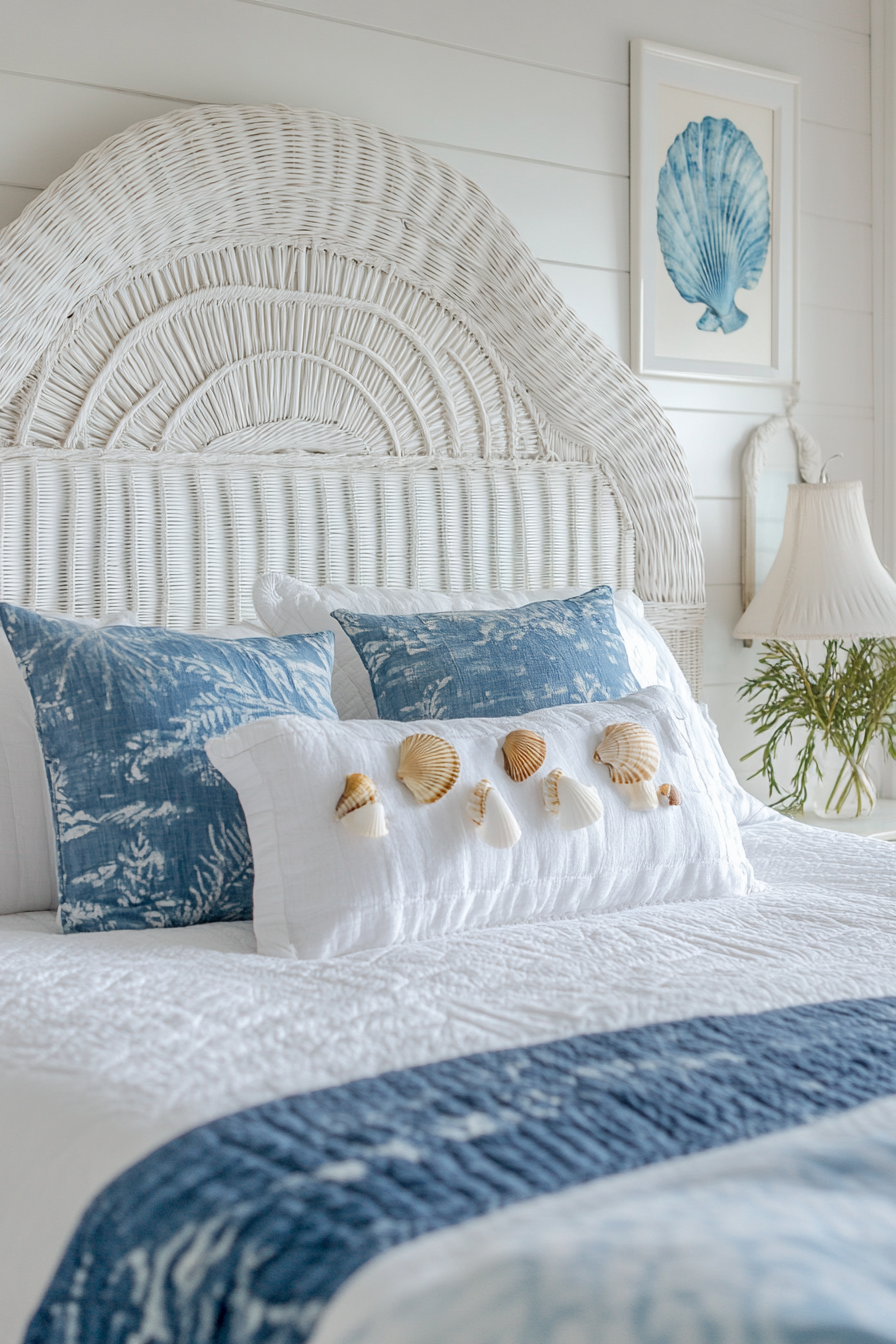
pixel 701 130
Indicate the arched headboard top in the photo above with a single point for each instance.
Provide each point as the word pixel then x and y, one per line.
pixel 225 211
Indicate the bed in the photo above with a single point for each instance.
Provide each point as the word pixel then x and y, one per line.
pixel 243 340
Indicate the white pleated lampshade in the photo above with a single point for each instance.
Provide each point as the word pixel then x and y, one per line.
pixel 826 582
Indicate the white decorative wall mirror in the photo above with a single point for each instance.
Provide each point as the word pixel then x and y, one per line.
pixel 779 453
pixel 713 217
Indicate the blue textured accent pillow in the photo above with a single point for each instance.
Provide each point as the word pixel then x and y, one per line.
pixel 473 664
pixel 148 833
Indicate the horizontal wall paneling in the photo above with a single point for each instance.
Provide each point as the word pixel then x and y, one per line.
pixel 591 38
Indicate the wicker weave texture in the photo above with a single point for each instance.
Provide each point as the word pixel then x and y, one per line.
pixel 266 285
pixel 182 546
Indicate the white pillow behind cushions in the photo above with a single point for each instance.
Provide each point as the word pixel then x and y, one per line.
pixel 289 607
pixel 28 878
pixel 27 865
pixel 321 891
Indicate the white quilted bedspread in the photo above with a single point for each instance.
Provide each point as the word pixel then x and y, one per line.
pixel 112 1043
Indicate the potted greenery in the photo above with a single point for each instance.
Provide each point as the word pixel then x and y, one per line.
pixel 836 711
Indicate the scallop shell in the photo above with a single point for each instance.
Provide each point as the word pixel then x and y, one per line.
pixel 428 766
pixel 359 808
pixel 713 219
pixel 524 753
pixel 631 752
pixel 574 805
pixel 669 795
pixel 641 796
pixel 498 826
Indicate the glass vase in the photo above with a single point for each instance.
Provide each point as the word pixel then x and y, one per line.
pixel 841 783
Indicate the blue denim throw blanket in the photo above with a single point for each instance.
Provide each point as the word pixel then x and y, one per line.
pixel 243 1230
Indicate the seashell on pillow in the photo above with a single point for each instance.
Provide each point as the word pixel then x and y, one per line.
pixel 640 796
pixel 498 826
pixel 574 805
pixel 524 753
pixel 713 219
pixel 359 808
pixel 669 795
pixel 631 752
pixel 428 766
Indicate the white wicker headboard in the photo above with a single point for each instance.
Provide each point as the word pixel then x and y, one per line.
pixel 242 338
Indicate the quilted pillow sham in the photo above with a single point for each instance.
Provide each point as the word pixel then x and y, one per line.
pixel 460 664
pixel 324 888
pixel 147 833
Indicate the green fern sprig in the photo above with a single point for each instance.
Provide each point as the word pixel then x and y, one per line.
pixel 848 703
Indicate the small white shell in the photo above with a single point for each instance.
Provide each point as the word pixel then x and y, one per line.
pixel 574 805
pixel 359 808
pixel 369 820
pixel 631 752
pixel 428 766
pixel 524 753
pixel 641 796
pixel 498 826
pixel 669 795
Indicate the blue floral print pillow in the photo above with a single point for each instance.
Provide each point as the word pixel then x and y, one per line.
pixel 148 833
pixel 473 664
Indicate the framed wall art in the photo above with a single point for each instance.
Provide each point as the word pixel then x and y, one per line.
pixel 714 210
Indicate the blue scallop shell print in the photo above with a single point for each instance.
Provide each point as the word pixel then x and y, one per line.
pixel 713 218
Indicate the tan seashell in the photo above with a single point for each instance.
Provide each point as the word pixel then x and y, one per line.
pixel 574 805
pixel 476 804
pixel 524 753
pixel 669 795
pixel 359 808
pixel 359 790
pixel 631 752
pixel 428 766
pixel 641 796
pixel 498 826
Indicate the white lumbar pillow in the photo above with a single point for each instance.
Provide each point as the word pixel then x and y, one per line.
pixel 325 886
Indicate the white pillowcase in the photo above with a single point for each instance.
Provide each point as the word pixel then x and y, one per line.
pixel 321 891
pixel 28 879
pixel 289 607
pixel 27 843
pixel 27 865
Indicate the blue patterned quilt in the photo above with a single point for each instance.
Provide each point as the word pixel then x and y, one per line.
pixel 241 1231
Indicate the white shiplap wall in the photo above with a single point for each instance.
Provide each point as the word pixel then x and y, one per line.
pixel 529 98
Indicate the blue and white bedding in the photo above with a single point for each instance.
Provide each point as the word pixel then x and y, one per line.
pixel 244 1229
pixel 115 1044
